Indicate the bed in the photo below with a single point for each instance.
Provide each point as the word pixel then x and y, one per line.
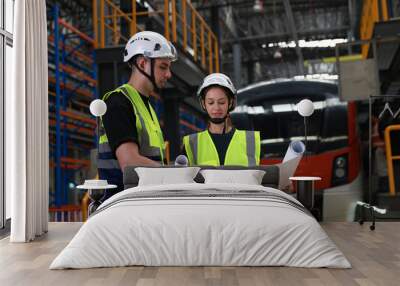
pixel 201 224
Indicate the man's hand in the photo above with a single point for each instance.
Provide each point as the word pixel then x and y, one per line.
pixel 128 154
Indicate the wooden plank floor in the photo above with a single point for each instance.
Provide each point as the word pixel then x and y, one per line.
pixel 374 255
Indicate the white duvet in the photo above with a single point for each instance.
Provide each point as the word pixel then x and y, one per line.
pixel 224 225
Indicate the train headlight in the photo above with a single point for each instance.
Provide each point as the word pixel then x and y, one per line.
pixel 340 162
pixel 340 173
pixel 340 170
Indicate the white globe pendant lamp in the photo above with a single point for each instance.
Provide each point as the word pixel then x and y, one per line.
pixel 305 108
pixel 98 108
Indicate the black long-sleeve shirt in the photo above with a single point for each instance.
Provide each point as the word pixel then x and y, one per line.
pixel 120 120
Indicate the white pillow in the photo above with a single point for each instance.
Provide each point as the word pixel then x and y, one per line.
pixel 166 176
pixel 248 177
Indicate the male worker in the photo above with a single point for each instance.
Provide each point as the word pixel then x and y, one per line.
pixel 130 133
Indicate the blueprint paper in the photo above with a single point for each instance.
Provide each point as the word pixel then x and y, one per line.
pixel 290 162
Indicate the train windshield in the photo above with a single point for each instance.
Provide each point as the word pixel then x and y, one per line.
pixel 271 109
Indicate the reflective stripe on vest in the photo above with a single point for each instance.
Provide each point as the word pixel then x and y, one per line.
pixel 144 141
pixel 193 140
pixel 243 150
pixel 151 144
pixel 151 141
pixel 251 148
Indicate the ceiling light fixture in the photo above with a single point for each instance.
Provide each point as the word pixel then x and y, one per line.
pixel 258 6
pixel 277 54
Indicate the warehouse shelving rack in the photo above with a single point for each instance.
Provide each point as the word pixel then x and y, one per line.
pixel 72 86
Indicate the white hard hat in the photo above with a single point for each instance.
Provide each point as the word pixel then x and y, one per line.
pixel 216 79
pixel 151 45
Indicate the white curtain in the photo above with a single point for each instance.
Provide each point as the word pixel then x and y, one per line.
pixel 27 143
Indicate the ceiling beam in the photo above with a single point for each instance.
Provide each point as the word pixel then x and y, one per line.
pixel 274 37
pixel 293 32
pixel 287 55
pixel 305 4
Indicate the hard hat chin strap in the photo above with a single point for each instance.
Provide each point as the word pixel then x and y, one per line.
pixel 151 76
pixel 219 121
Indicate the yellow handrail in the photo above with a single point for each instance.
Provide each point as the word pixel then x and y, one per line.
pixel 95 23
pixel 180 20
pixel 173 8
pixel 184 25
pixel 194 37
pixel 371 12
pixel 216 51
pixel 203 48
pixel 133 23
pixel 390 158
pixel 84 206
pixel 166 19
pixel 210 60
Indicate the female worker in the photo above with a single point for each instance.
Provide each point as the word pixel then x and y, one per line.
pixel 221 143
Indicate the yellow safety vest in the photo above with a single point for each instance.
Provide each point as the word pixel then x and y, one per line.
pixel 151 141
pixel 243 150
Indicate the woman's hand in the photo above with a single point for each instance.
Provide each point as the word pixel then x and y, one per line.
pixel 289 188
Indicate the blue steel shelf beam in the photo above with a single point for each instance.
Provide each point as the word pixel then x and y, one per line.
pixel 58 190
pixel 72 82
